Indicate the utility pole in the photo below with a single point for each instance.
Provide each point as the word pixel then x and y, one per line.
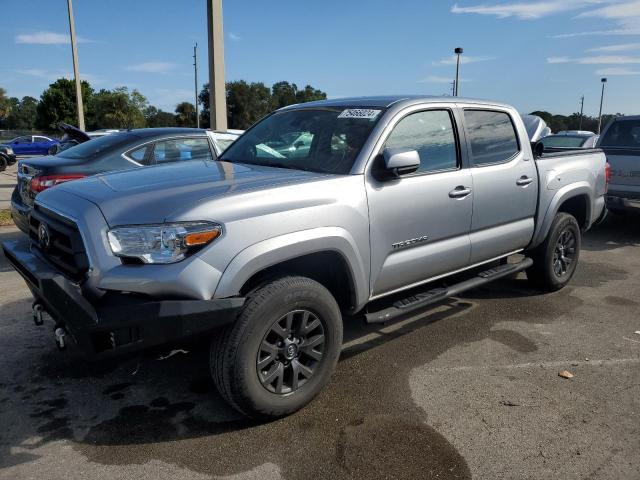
pixel 603 80
pixel 195 71
pixel 581 111
pixel 76 68
pixel 458 52
pixel 453 88
pixel 217 96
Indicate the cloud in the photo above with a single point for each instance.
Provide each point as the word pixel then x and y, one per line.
pixel 522 10
pixel 47 38
pixel 614 71
pixel 619 11
pixel 625 14
pixel 597 60
pixel 152 67
pixel 464 60
pixel 234 37
pixel 625 47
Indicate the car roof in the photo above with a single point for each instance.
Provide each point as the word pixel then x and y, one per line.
pixel 156 132
pixel 386 101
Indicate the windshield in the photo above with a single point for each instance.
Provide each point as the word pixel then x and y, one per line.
pixel 325 140
pixel 624 133
pixel 95 146
pixel 563 141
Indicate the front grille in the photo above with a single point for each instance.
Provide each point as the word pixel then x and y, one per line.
pixel 64 247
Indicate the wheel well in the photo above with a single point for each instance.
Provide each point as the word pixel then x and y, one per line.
pixel 327 268
pixel 576 206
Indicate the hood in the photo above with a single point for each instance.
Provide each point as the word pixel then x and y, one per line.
pixel 153 194
pixel 73 132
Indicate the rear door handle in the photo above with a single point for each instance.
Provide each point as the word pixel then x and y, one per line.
pixel 524 181
pixel 460 192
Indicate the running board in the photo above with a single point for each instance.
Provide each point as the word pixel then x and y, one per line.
pixel 423 299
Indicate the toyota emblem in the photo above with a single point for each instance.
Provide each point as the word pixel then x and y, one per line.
pixel 44 237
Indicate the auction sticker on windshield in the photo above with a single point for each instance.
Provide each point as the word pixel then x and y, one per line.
pixel 365 113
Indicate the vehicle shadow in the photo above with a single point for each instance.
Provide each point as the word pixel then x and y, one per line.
pixel 618 230
pixel 364 424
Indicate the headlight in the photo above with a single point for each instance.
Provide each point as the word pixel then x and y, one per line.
pixel 166 243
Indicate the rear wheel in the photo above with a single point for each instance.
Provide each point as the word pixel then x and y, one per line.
pixel 282 349
pixel 556 259
pixel 3 163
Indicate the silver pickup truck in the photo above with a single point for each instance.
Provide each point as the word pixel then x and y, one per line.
pixel 355 207
pixel 621 143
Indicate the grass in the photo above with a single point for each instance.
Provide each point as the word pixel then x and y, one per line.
pixel 5 218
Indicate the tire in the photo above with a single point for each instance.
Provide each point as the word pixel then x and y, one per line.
pixel 236 351
pixel 549 271
pixel 3 163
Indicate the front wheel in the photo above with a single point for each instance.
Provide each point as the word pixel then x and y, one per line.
pixel 556 259
pixel 281 351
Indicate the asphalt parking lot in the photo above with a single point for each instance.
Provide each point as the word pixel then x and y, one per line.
pixel 469 389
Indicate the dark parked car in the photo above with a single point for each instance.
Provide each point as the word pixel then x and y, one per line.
pixel 118 151
pixel 563 142
pixel 7 155
pixel 31 145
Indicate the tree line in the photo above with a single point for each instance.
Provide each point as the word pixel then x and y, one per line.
pixel 124 108
pixel 558 123
pixel 247 102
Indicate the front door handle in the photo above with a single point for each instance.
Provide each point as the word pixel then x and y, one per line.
pixel 523 181
pixel 460 192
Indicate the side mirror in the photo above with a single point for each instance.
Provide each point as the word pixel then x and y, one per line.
pixel 399 161
pixel 538 149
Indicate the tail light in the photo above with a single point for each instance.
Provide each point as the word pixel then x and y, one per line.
pixel 38 184
pixel 607 176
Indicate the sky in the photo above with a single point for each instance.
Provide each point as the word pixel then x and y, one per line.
pixel 535 55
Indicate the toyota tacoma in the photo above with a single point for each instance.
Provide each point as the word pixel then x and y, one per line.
pixel 324 210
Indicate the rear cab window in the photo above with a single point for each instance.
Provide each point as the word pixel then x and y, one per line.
pixel 622 133
pixel 492 136
pixel 96 146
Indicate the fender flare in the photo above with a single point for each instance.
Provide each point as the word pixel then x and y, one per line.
pixel 562 195
pixel 275 250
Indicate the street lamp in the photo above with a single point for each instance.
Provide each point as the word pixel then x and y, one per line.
pixel 603 80
pixel 458 52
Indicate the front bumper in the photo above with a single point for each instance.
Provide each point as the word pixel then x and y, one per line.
pixel 117 323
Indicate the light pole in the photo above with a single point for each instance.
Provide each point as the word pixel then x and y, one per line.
pixel 581 111
pixel 458 52
pixel 76 68
pixel 217 96
pixel 195 71
pixel 603 80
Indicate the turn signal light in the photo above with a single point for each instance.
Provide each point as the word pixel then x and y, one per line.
pixel 607 176
pixel 200 238
pixel 39 184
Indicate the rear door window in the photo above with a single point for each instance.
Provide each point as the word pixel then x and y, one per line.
pixel 622 133
pixel 140 154
pixel 492 136
pixel 181 149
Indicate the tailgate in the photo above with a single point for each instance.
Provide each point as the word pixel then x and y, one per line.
pixel 625 166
